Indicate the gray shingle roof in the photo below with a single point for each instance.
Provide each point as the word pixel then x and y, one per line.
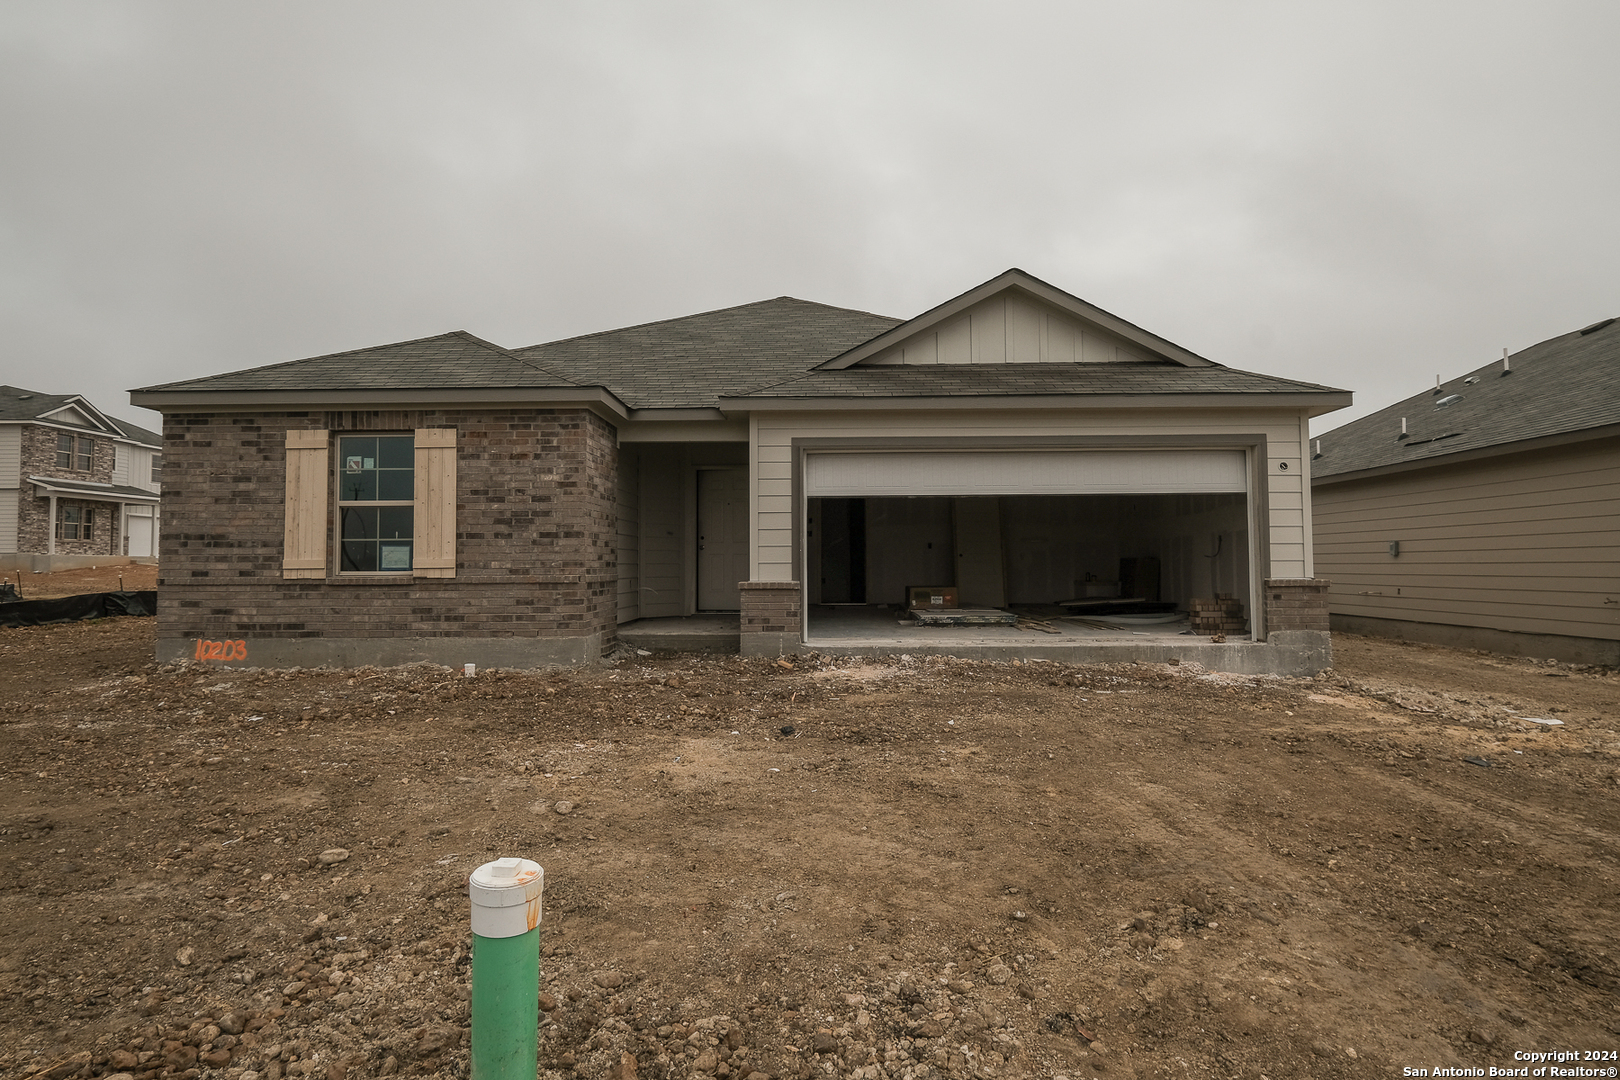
pixel 456 359
pixel 696 360
pixel 1002 380
pixel 19 404
pixel 1565 384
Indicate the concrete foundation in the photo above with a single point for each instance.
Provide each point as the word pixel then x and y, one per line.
pixel 1570 650
pixel 501 652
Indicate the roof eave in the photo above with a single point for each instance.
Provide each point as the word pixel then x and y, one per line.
pixel 1478 453
pixel 597 398
pixel 1315 403
pixel 107 494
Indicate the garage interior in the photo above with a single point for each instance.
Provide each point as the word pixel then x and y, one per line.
pixel 1028 554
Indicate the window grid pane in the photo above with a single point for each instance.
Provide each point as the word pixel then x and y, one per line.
pixel 376 489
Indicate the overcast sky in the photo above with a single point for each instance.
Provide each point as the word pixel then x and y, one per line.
pixel 1362 194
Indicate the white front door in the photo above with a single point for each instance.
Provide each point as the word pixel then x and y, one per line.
pixel 722 522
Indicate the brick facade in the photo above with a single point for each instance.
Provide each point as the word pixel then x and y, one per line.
pixel 535 545
pixel 34 524
pixel 770 617
pixel 1296 604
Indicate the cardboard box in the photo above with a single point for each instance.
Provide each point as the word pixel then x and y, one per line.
pixel 931 596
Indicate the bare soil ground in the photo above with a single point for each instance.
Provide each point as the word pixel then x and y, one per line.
pixel 807 867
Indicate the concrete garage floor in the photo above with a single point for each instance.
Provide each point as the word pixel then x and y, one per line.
pixel 873 630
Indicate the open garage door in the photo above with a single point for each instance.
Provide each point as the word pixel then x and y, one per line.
pixel 1028 528
pixel 1024 472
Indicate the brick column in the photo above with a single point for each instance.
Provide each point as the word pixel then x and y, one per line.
pixel 770 617
pixel 1296 604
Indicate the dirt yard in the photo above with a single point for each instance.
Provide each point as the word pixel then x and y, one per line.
pixel 810 867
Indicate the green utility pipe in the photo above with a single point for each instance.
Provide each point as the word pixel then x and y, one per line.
pixel 506 969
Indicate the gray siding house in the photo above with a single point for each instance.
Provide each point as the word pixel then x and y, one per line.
pixel 448 499
pixel 1484 513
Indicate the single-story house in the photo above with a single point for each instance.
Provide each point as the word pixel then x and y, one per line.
pixel 76 486
pixel 450 500
pixel 1484 513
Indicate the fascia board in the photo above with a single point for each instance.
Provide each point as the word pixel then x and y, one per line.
pixel 1292 402
pixel 1017 280
pixel 597 398
pixel 1545 442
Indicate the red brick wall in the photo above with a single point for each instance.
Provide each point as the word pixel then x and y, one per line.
pixel 535 547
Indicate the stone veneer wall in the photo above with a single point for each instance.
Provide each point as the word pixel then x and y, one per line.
pixel 770 618
pixel 535 546
pixel 34 523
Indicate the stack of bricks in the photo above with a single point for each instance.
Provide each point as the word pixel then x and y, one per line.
pixel 1221 615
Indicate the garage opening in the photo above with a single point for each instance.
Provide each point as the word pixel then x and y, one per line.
pixel 1063 562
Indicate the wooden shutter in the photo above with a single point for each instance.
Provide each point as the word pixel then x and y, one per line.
pixel 307 517
pixel 435 554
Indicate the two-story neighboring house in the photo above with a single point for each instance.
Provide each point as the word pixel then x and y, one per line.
pixel 76 485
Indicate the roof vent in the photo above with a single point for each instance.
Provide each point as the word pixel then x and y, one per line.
pixel 1595 327
pixel 1507 365
pixel 1403 434
pixel 1471 380
pixel 1448 400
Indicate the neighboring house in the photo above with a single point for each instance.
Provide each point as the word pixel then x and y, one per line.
pixel 75 484
pixel 1484 513
pixel 449 500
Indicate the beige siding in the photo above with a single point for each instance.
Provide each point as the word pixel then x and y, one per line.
pixel 1528 543
pixel 629 534
pixel 1012 330
pixel 772 437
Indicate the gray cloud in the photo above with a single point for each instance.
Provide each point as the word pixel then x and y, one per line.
pixel 1363 195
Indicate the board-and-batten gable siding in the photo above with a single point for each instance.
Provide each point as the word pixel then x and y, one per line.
pixel 1528 544
pixel 1011 330
pixel 773 435
pixel 628 510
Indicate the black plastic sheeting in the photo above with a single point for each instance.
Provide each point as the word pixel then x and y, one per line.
pixel 99 605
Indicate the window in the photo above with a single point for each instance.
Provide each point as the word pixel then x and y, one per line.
pixel 376 503
pixel 73 522
pixel 74 453
pixel 387 501
pixel 157 468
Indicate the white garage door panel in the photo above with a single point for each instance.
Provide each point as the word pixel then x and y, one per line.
pixel 1023 472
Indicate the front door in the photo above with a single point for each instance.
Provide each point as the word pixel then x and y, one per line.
pixel 722 521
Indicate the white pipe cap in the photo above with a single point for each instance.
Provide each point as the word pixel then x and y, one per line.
pixel 505 897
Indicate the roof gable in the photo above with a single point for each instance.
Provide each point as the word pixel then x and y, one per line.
pixel 1015 318
pixel 67 410
pixel 1559 387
